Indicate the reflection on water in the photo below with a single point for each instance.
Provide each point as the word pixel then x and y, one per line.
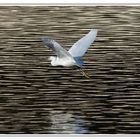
pixel 66 123
pixel 38 98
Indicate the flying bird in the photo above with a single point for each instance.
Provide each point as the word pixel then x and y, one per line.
pixel 72 57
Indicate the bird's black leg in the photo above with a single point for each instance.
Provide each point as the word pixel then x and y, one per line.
pixel 84 73
pixel 75 67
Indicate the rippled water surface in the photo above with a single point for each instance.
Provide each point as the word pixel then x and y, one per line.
pixel 38 98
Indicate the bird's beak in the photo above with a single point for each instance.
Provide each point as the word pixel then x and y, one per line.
pixel 84 73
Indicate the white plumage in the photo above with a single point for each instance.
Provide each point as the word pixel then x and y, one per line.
pixel 80 47
pixel 71 57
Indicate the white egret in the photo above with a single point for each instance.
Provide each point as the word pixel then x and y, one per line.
pixel 73 56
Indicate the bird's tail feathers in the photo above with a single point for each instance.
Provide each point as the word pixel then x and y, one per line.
pixel 79 62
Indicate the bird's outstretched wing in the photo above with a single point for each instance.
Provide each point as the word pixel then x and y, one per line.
pixel 52 44
pixel 81 46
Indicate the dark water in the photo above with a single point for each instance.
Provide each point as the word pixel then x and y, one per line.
pixel 38 98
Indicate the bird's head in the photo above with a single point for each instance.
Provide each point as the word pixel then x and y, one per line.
pixel 52 59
